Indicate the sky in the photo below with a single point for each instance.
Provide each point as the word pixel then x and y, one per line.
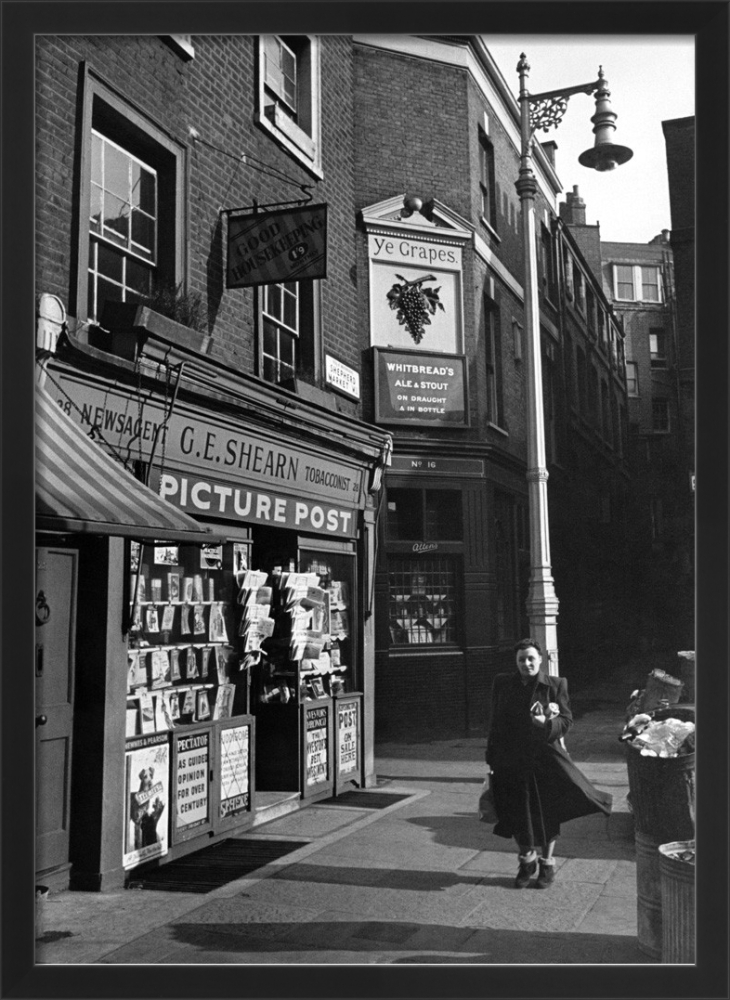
pixel 651 79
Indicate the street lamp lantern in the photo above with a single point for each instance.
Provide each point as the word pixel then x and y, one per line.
pixel 605 154
pixel 542 112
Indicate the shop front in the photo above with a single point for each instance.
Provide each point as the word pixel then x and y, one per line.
pixel 228 671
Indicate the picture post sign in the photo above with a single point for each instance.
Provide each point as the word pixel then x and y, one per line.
pixel 415 387
pixel 266 248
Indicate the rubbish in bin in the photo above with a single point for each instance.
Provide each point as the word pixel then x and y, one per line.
pixel 680 852
pixel 659 737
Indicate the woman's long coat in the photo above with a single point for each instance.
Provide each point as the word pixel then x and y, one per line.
pixel 536 786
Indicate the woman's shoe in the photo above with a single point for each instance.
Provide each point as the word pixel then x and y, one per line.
pixel 528 867
pixel 547 874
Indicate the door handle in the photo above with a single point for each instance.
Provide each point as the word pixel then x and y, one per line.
pixel 41 720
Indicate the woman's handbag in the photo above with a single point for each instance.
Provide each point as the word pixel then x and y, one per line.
pixel 487 812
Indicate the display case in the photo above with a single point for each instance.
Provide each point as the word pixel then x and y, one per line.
pixel 190 746
pixel 304 661
pixel 185 661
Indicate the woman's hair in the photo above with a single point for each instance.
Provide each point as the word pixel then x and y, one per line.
pixel 526 643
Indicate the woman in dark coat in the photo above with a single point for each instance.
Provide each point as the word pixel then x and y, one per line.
pixel 535 784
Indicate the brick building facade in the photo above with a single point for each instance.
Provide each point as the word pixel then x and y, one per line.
pixel 263 416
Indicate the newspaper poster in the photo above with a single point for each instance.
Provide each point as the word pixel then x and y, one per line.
pixel 191 781
pixel 347 737
pixel 316 762
pixel 147 799
pixel 234 766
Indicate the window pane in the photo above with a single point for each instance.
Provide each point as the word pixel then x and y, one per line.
pixel 139 277
pixel 116 171
pixel 290 307
pixel 95 208
pixel 269 337
pixel 625 281
pixel 96 159
pixel 443 515
pixel 272 300
pixel 286 349
pixel 143 233
pixel 422 600
pixel 116 218
pixel 110 263
pixel 270 369
pixel 143 189
pixel 650 284
pixel 405 515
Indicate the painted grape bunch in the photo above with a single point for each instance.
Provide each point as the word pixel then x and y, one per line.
pixel 415 304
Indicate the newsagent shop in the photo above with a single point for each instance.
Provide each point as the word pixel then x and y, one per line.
pixel 204 652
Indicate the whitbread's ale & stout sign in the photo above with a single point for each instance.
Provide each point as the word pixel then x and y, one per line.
pixel 269 247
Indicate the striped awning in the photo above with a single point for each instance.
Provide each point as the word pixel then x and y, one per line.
pixel 80 488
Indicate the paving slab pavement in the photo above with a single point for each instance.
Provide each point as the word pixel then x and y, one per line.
pixel 419 882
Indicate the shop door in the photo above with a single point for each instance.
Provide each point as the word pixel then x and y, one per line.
pixel 56 572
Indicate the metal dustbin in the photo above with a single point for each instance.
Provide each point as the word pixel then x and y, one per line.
pixel 677 870
pixel 661 795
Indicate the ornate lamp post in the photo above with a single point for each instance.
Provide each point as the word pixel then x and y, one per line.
pixel 543 111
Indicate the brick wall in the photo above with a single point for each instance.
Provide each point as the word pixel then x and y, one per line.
pixel 215 94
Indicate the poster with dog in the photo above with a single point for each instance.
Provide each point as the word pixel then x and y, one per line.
pixel 147 799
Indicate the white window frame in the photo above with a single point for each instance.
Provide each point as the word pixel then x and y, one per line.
pixel 637 279
pixel 173 229
pixel 301 139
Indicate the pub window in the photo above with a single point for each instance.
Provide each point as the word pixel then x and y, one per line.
pixel 416 515
pixel 288 96
pixel 423 600
pixel 131 206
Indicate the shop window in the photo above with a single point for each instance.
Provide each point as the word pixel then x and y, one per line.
pixel 423 600
pixel 487 195
pixel 632 378
pixel 493 348
pixel 288 96
pixel 288 328
pixel 660 416
pixel 424 515
pixel 131 207
pixel 185 664
pixel 658 347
